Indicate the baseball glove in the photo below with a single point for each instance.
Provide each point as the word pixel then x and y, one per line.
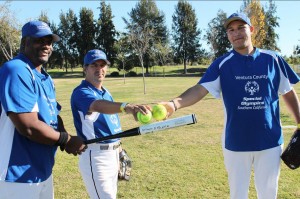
pixel 291 154
pixel 125 166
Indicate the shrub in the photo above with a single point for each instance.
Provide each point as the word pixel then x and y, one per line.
pixel 132 74
pixel 114 74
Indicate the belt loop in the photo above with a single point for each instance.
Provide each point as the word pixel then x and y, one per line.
pixel 116 146
pixel 104 147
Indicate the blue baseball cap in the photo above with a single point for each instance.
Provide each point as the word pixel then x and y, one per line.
pixel 235 17
pixel 38 29
pixel 94 55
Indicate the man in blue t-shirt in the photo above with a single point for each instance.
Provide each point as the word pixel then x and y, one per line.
pixel 31 128
pixel 250 81
pixel 96 115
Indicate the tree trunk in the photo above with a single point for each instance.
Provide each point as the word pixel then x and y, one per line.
pixel 144 79
pixel 123 71
pixel 184 66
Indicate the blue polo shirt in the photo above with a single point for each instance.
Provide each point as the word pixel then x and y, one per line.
pixel 95 125
pixel 23 90
pixel 250 87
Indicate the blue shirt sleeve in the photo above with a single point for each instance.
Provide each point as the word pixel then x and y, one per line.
pixel 82 99
pixel 17 85
pixel 211 79
pixel 288 72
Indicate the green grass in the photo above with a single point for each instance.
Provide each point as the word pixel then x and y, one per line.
pixel 181 163
pixel 177 70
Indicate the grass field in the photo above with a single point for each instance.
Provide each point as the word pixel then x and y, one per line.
pixel 181 163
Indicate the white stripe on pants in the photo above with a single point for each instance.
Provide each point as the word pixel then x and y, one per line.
pixel 266 165
pixel 99 170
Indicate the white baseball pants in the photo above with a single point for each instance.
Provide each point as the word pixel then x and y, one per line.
pixel 266 166
pixel 99 166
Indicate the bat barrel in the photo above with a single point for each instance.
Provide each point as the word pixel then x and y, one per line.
pixel 167 124
pixel 150 128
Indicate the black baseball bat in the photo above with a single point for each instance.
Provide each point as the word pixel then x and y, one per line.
pixel 150 128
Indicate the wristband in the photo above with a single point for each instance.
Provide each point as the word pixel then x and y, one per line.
pixel 298 126
pixel 62 140
pixel 175 107
pixel 122 107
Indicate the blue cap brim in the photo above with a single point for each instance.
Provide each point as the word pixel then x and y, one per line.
pixel 55 37
pixel 234 19
pixel 96 59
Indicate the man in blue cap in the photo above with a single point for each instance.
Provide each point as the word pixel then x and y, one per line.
pixel 96 115
pixel 250 81
pixel 31 128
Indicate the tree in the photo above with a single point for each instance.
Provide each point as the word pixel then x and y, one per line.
pixel 297 50
pixel 105 38
pixel 271 22
pixel 67 30
pixel 147 16
pixel 86 32
pixel 139 38
pixel 122 48
pixel 9 34
pixel 44 17
pixel 257 17
pixel 163 52
pixel 216 35
pixel 186 35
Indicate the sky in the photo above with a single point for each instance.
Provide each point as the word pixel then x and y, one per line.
pixel 287 11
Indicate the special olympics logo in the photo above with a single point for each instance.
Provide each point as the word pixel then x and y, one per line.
pixel 113 119
pixel 251 87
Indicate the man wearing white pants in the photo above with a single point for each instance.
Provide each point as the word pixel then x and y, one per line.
pixel 249 81
pixel 96 115
pixel 96 166
pixel 266 165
